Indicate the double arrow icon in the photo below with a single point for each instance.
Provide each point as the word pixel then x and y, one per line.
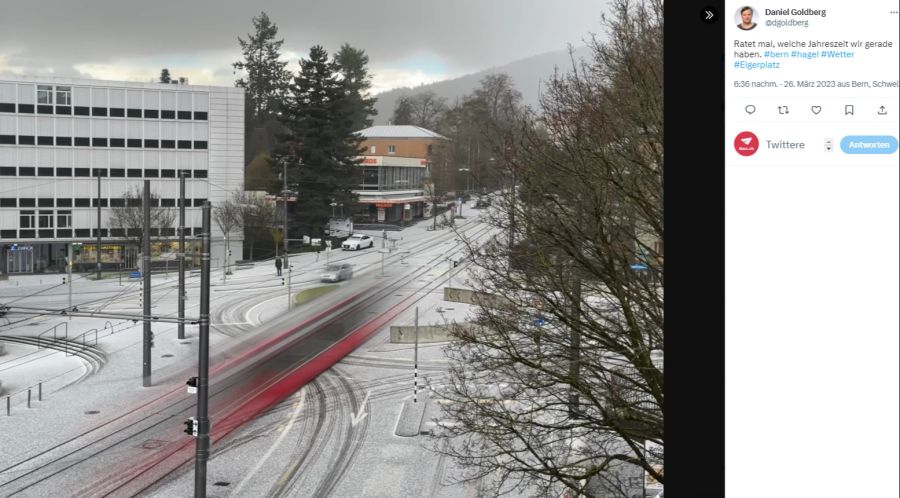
pixel 709 15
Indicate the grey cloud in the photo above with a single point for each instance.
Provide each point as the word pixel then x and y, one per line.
pixel 469 34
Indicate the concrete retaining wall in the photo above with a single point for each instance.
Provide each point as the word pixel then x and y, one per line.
pixel 406 334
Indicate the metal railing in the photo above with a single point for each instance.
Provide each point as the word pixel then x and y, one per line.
pixel 65 335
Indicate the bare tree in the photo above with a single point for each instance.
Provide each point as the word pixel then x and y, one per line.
pixel 258 215
pixel 560 384
pixel 229 216
pixel 422 109
pixel 127 219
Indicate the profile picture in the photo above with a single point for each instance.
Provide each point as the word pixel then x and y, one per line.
pixel 746 18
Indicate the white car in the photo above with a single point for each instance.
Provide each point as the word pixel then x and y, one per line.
pixel 337 272
pixel 357 242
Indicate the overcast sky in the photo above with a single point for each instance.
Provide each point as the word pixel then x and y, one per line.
pixel 409 42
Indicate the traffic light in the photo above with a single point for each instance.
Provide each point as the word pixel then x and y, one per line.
pixel 64 280
pixel 192 427
pixel 282 280
pixel 192 385
pixel 151 339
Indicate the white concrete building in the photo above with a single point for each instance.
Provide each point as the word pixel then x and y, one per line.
pixel 58 134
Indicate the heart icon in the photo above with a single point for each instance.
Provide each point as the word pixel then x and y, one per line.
pixel 816 109
pixel 750 109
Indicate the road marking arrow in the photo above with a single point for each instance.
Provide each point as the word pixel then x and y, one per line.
pixel 356 418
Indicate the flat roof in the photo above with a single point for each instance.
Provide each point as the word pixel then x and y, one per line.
pixel 399 131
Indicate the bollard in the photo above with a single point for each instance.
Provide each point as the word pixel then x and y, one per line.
pixel 7 406
pixel 40 391
pixel 29 398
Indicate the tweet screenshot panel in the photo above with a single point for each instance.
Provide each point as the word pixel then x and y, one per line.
pixel 812 196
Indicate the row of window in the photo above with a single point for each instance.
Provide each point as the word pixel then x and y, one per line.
pixel 25 171
pixel 113 112
pixel 12 202
pixel 134 143
pixel 87 233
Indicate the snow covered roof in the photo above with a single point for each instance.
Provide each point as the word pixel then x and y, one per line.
pixel 399 131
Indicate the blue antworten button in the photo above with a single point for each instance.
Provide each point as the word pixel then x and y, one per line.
pixel 869 144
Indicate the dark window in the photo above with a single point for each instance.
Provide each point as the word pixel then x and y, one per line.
pixel 197 231
pixel 117 142
pixel 64 203
pixel 184 144
pixel 26 202
pixel 7 107
pixel 151 114
pixel 45 140
pixel 103 232
pixel 9 202
pixel 98 111
pixel 135 202
pixel 168 114
pixel 83 233
pixel 200 173
pixel 26 234
pixel 99 142
pixel 151 173
pixel 187 203
pixel 200 144
pixel 7 234
pixel 184 114
pixel 134 173
pixel 8 171
pixel 45 203
pixel 26 140
pixel 99 172
pixel 82 202
pixel 167 144
pixel 168 202
pixel 168 231
pixel 154 201
pixel 151 144
pixel 45 171
pixel 116 112
pixel 8 139
pixel 64 141
pixel 117 202
pixel 63 109
pixel 118 232
pixel 26 108
pixel 134 113
pixel 198 203
pixel 45 109
pixel 154 232
pixel 167 173
pixel 26 171
pixel 200 116
pixel 117 173
pixel 82 141
pixel 82 111
pixel 45 234
pixel 63 233
pixel 134 232
pixel 134 142
pixel 185 172
pixel 104 202
pixel 63 171
pixel 82 172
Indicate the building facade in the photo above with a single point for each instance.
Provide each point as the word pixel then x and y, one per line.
pixel 59 135
pixel 394 170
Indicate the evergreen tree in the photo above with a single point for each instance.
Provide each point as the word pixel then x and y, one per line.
pixel 403 112
pixel 266 79
pixel 164 76
pixel 351 63
pixel 265 82
pixel 320 146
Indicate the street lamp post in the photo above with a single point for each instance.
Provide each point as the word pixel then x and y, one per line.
pixel 462 201
pixel 284 193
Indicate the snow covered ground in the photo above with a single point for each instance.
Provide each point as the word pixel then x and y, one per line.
pixel 355 452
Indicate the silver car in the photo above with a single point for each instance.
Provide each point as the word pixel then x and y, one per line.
pixel 337 272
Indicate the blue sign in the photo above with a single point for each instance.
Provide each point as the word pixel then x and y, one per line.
pixel 638 266
pixel 539 321
pixel 135 274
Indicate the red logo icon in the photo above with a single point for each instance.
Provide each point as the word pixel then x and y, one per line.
pixel 746 143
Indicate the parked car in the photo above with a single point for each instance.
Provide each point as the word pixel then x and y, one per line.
pixel 482 203
pixel 357 242
pixel 337 272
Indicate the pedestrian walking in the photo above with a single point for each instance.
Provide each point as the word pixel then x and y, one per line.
pixel 278 266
